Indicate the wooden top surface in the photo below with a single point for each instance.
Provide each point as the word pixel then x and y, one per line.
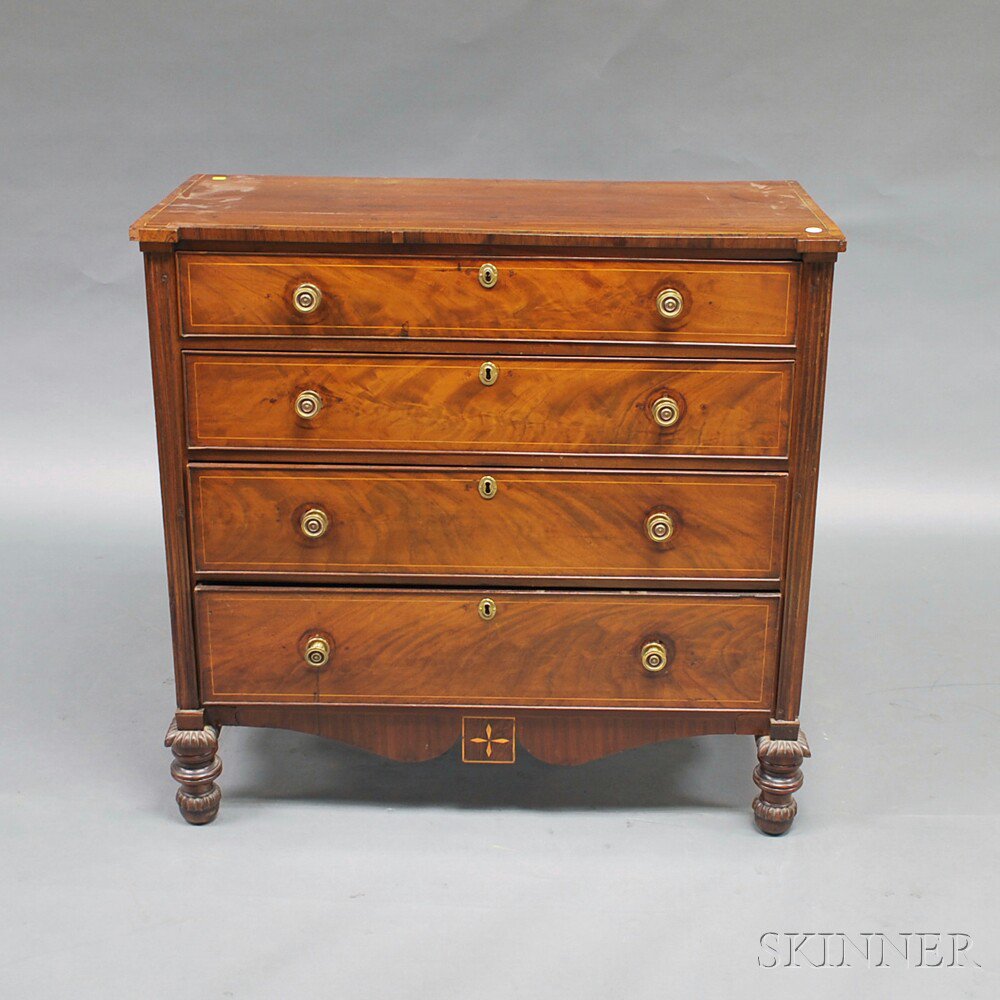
pixel 730 215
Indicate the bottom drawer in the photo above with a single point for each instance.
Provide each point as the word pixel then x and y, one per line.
pixel 522 648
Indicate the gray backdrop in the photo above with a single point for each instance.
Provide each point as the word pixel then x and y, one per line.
pixel 331 872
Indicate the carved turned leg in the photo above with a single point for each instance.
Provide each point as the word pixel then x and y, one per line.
pixel 778 775
pixel 196 766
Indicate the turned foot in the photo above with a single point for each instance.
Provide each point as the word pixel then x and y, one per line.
pixel 778 775
pixel 195 767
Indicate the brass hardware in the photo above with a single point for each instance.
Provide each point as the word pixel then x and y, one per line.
pixel 488 275
pixel 654 657
pixel 669 303
pixel 666 411
pixel 659 526
pixel 317 652
pixel 314 523
pixel 489 372
pixel 487 609
pixel 306 298
pixel 308 403
pixel 488 487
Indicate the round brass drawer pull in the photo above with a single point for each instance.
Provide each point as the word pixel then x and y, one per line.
pixel 317 652
pixel 659 526
pixel 655 658
pixel 666 411
pixel 308 403
pixel 306 298
pixel 488 275
pixel 669 303
pixel 487 609
pixel 314 523
pixel 488 487
pixel 489 372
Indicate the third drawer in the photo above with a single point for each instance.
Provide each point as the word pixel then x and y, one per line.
pixel 430 525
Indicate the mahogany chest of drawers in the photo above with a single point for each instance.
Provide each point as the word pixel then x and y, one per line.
pixel 527 466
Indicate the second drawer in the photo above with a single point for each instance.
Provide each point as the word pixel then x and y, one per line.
pixel 488 405
pixel 443 524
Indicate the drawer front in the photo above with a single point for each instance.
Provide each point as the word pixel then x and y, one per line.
pixel 456 523
pixel 720 302
pixel 386 646
pixel 488 405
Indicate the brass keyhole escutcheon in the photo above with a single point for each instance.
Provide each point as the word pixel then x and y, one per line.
pixel 487 609
pixel 488 487
pixel 659 526
pixel 308 403
pixel 314 523
pixel 666 411
pixel 670 303
pixel 306 298
pixel 654 657
pixel 488 275
pixel 317 651
pixel 489 372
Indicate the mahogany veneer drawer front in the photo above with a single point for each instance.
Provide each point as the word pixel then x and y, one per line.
pixel 420 523
pixel 408 646
pixel 445 298
pixel 507 464
pixel 513 405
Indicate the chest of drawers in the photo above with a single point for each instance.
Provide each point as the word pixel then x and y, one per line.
pixel 526 466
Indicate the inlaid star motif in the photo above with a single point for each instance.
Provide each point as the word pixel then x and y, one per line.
pixel 490 740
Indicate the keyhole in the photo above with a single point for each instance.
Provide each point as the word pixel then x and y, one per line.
pixel 489 372
pixel 488 487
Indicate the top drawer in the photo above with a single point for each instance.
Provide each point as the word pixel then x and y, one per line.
pixel 732 302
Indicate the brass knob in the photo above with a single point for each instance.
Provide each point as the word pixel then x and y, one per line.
pixel 487 609
pixel 669 303
pixel 659 526
pixel 314 523
pixel 489 372
pixel 306 298
pixel 488 275
pixel 666 411
pixel 488 487
pixel 654 657
pixel 308 403
pixel 317 653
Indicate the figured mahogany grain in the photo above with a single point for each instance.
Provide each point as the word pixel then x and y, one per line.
pixel 421 297
pixel 437 405
pixel 420 523
pixel 409 646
